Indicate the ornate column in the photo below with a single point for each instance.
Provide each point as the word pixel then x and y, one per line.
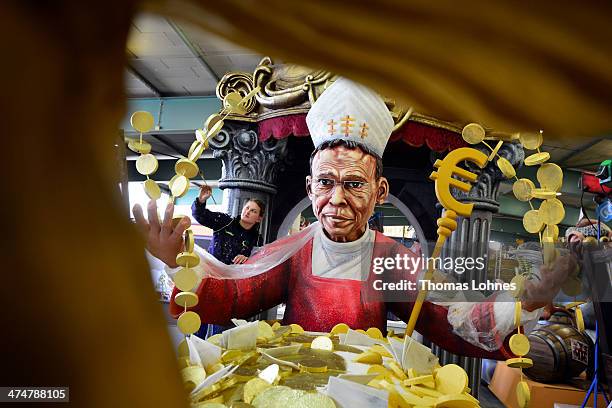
pixel 249 167
pixel 471 239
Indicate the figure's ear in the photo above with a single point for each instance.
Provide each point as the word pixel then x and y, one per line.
pixel 382 191
pixel 309 186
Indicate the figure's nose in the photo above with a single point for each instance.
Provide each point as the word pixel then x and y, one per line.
pixel 338 196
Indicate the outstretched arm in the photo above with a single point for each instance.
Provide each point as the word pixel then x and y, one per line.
pixel 204 216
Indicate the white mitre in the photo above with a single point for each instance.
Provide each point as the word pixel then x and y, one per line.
pixel 349 111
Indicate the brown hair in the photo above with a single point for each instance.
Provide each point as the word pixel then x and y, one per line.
pixel 260 204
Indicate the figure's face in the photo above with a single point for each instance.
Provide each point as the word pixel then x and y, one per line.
pixel 343 190
pixel 251 213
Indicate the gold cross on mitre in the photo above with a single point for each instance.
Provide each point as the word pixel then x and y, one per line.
pixel 331 129
pixel 363 133
pixel 347 125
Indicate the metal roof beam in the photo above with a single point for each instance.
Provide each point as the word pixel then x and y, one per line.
pixel 194 48
pixel 144 81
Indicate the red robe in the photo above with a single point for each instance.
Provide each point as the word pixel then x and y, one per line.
pixel 318 304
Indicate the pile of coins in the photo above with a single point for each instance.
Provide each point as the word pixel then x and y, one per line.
pixel 288 366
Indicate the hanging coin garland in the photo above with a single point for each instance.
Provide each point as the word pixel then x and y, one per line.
pixel 186 168
pixel 543 221
pixel 146 164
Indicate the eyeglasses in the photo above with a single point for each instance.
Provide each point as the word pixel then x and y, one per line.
pixel 325 185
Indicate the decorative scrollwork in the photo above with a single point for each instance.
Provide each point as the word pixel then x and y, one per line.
pixel 237 82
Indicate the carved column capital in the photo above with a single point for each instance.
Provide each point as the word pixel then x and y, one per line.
pixel 247 162
pixel 485 190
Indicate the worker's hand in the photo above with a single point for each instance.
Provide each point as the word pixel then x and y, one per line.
pixel 240 259
pixel 540 293
pixel 164 241
pixel 205 193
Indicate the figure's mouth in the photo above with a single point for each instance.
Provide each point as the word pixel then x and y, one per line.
pixel 337 218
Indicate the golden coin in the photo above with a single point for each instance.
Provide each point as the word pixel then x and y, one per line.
pixel 152 189
pixel 187 259
pixel 522 189
pixel 231 355
pixel 537 158
pixel 189 322
pixel 520 362
pixel 296 328
pixel 519 286
pixel 551 231
pixel 212 121
pixel 552 211
pixel 375 333
pixel 543 194
pixel 455 401
pixel 368 357
pixel 518 313
pixel 179 185
pixel 176 219
pixel 531 140
pixel 506 168
pixel 142 121
pixel 519 344
pixel 200 135
pixel 233 102
pixel 451 379
pixel 146 164
pixel 532 221
pixel 137 146
pixel 214 130
pixel 550 176
pixel 419 380
pixel 192 377
pixel 579 320
pixel 186 299
pixel 322 343
pixel 186 168
pixel 189 240
pixel 523 394
pixel 313 365
pixel 495 150
pixel 473 133
pixel 264 330
pixel 197 151
pixel 254 387
pixel 340 328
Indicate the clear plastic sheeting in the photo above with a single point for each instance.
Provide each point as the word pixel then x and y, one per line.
pixel 266 258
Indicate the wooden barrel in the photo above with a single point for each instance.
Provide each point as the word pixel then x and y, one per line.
pixel 559 353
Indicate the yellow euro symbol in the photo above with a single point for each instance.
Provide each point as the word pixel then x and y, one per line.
pixel 447 167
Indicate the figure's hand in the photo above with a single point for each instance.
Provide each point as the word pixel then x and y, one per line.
pixel 239 259
pixel 540 293
pixel 205 193
pixel 164 241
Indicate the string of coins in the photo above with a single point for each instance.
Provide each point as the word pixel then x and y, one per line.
pixel 146 164
pixel 543 221
pixel 186 168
